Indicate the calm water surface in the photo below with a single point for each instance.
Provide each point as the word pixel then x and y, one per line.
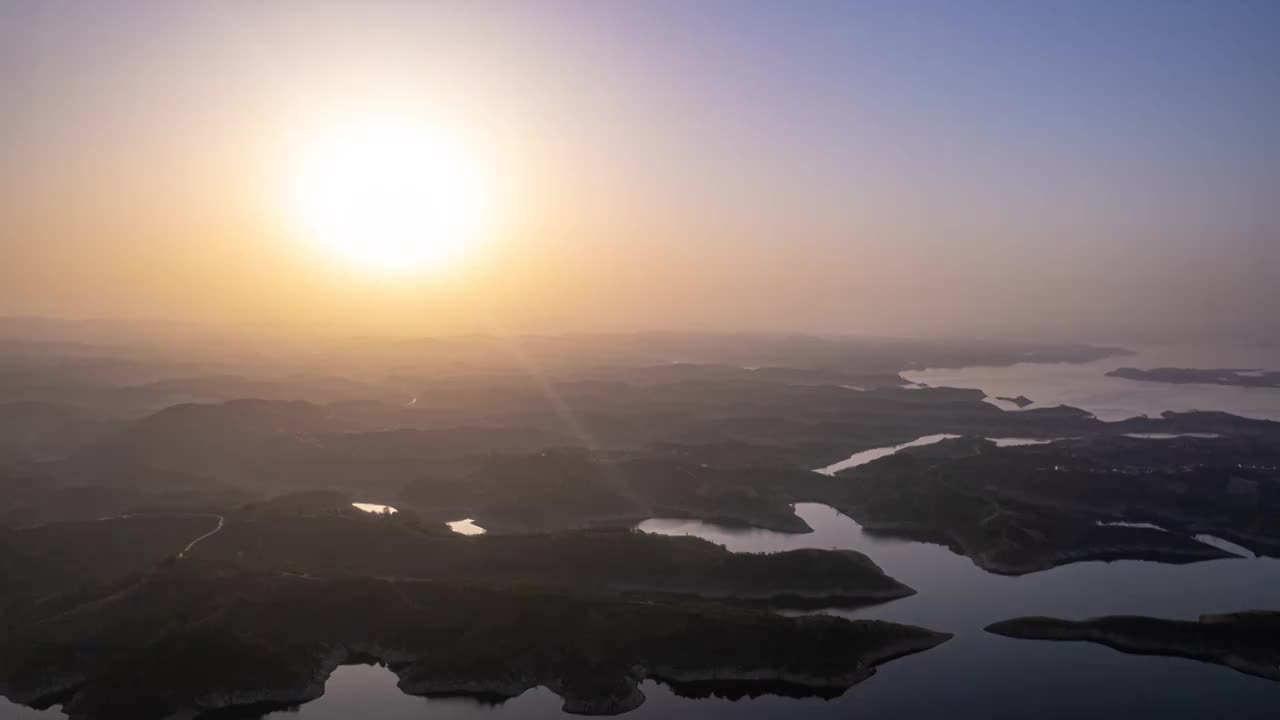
pixel 1087 386
pixel 466 527
pixel 10 711
pixel 866 456
pixel 975 675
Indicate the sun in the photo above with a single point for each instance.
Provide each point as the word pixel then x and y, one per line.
pixel 389 194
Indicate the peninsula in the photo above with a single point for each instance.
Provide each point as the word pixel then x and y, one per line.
pixel 1248 642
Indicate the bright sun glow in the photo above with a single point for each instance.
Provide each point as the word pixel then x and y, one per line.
pixel 389 194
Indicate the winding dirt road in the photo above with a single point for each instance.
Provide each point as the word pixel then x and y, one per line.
pixel 221 521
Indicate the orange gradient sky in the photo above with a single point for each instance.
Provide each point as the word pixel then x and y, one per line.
pixel 895 168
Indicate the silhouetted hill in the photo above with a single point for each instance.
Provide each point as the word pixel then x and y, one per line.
pixel 206 638
pixel 1248 642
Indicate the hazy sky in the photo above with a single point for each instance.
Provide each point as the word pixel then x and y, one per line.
pixel 1072 168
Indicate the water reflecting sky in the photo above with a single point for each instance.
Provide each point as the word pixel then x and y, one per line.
pixel 976 674
pixel 1087 386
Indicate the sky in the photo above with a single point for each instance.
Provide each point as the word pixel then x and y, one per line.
pixel 1051 170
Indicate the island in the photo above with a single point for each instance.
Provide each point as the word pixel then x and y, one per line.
pixel 207 530
pixel 1236 377
pixel 1248 642
pixel 1020 401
